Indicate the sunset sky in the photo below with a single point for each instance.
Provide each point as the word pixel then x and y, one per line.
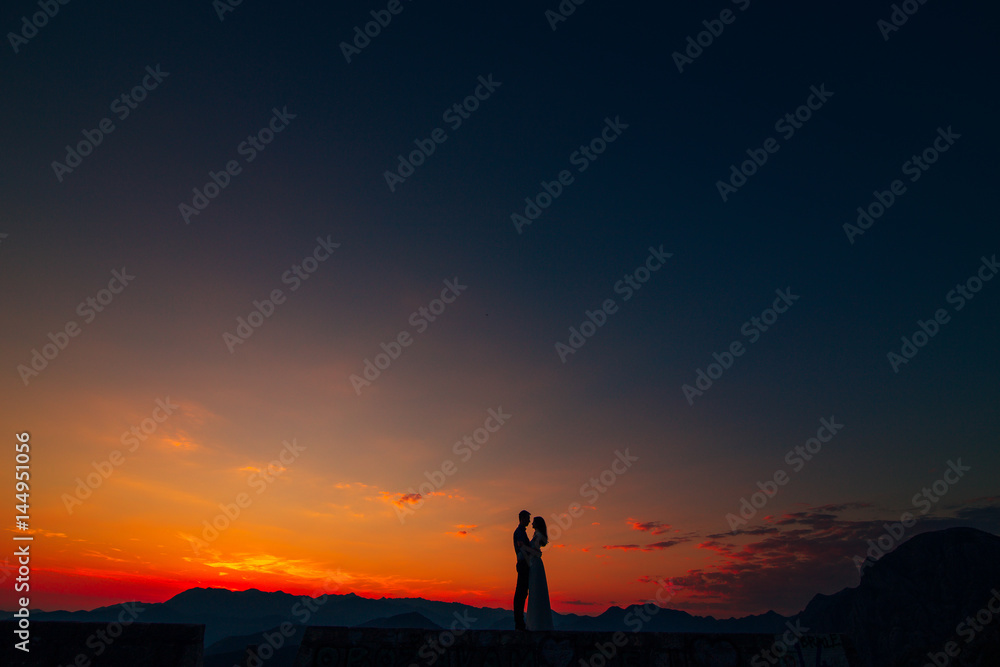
pixel 633 228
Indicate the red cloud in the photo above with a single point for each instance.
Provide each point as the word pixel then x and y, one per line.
pixel 412 498
pixel 649 547
pixel 655 527
pixel 782 564
pixel 664 545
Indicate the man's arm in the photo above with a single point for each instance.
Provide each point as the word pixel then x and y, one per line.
pixel 520 544
pixel 527 548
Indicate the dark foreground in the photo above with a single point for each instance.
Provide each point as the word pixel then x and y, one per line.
pixel 59 643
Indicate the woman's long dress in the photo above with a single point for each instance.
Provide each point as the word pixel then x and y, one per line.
pixel 539 613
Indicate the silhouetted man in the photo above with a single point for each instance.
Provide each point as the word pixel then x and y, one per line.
pixel 521 590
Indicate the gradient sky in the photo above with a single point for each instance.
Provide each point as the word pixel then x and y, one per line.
pixel 348 506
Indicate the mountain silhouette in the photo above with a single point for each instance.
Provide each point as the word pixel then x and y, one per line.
pixel 912 600
pixel 908 603
pixel 627 619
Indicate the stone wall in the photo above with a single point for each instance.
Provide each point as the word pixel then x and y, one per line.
pixel 357 647
pixel 66 643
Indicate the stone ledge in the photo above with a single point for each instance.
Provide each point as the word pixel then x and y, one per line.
pixel 361 647
pixel 58 643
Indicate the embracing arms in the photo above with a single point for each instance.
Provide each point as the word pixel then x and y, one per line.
pixel 529 550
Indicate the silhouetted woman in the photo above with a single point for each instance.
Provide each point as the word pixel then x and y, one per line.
pixel 539 612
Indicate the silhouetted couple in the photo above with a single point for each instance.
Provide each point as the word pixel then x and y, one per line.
pixel 531 582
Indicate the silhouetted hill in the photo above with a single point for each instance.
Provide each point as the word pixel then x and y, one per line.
pixel 908 603
pixel 234 619
pixel 912 600
pixel 635 619
pixel 246 604
pixel 237 643
pixel 229 651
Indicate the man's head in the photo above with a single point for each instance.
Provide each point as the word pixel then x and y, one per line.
pixel 524 517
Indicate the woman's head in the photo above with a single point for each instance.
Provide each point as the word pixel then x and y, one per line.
pixel 538 523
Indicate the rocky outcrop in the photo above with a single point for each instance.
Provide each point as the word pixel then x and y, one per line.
pixel 916 599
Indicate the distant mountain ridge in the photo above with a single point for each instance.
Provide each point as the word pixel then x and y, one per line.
pixel 907 603
pixel 226 613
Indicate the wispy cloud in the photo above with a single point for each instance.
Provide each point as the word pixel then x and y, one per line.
pixel 654 527
pixel 791 557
